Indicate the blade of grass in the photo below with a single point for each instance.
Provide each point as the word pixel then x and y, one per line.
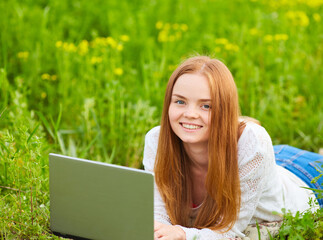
pixel 89 145
pixel 5 108
pixel 258 230
pixel 33 132
pixel 46 123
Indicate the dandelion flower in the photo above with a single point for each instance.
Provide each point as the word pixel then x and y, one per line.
pixel 83 47
pixel 118 71
pixel 23 55
pixel 53 77
pixel 45 76
pixel 281 37
pixel 254 31
pixel 184 27
pixel 268 38
pixel 96 60
pixel 162 36
pixel 43 95
pixel 175 26
pixel 111 42
pixel 317 17
pixel 124 38
pixel 59 44
pixel 221 41
pixel 298 18
pixel 231 47
pixel 69 47
pixel 159 25
pixel 119 47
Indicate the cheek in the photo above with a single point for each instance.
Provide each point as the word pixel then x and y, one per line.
pixel 173 117
pixel 171 113
pixel 207 118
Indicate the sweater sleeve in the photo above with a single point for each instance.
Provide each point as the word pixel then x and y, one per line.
pixel 254 151
pixel 150 151
pixel 256 166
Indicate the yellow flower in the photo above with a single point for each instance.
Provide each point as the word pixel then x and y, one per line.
pixel 69 47
pixel 120 47
pixel 83 47
pixel 317 17
pixel 313 3
pixel 59 44
pixel 53 77
pixel 175 26
pixel 300 100
pixel 124 38
pixel 184 27
pixel 253 31
pixel 23 55
pixel 221 41
pixel 45 76
pixel 217 49
pixel 281 37
pixel 111 42
pixel 118 71
pixel 268 38
pixel 298 18
pixel 162 36
pixel 99 42
pixel 159 25
pixel 231 47
pixel 96 60
pixel 43 95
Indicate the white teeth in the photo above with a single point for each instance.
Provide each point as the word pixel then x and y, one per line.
pixel 189 126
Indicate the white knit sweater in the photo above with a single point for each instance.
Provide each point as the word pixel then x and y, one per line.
pixel 265 186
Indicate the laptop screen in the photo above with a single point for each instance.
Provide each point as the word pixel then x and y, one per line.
pixel 96 200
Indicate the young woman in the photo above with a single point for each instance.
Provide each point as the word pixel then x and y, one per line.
pixel 214 172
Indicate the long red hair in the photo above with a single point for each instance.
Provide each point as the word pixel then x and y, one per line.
pixel 221 206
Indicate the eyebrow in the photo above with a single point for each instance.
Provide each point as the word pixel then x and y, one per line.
pixel 202 100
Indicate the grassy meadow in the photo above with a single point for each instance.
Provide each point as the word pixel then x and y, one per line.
pixel 87 79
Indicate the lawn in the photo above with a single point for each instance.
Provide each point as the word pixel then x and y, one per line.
pixel 87 79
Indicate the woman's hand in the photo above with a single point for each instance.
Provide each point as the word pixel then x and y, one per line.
pixel 168 232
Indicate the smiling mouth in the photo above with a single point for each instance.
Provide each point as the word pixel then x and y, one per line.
pixel 190 126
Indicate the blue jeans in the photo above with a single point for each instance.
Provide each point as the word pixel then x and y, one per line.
pixel 305 165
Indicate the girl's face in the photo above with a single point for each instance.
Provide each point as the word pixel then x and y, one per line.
pixel 189 110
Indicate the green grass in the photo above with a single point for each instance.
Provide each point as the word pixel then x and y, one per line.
pixel 87 79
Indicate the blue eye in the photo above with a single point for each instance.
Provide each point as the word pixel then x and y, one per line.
pixel 206 106
pixel 179 102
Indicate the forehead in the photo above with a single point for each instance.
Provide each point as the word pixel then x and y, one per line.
pixel 192 84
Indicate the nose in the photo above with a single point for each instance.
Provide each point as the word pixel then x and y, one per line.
pixel 191 112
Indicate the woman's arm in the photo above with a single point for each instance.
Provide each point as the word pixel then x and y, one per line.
pixel 160 213
pixel 260 186
pixel 256 162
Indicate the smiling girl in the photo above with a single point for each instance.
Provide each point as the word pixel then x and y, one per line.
pixel 215 173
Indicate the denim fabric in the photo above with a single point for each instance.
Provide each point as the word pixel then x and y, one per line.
pixel 305 165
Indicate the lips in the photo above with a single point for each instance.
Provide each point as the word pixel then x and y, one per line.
pixel 190 126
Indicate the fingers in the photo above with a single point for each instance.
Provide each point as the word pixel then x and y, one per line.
pixel 157 225
pixel 168 232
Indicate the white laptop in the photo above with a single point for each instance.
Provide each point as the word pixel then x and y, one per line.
pixel 95 200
